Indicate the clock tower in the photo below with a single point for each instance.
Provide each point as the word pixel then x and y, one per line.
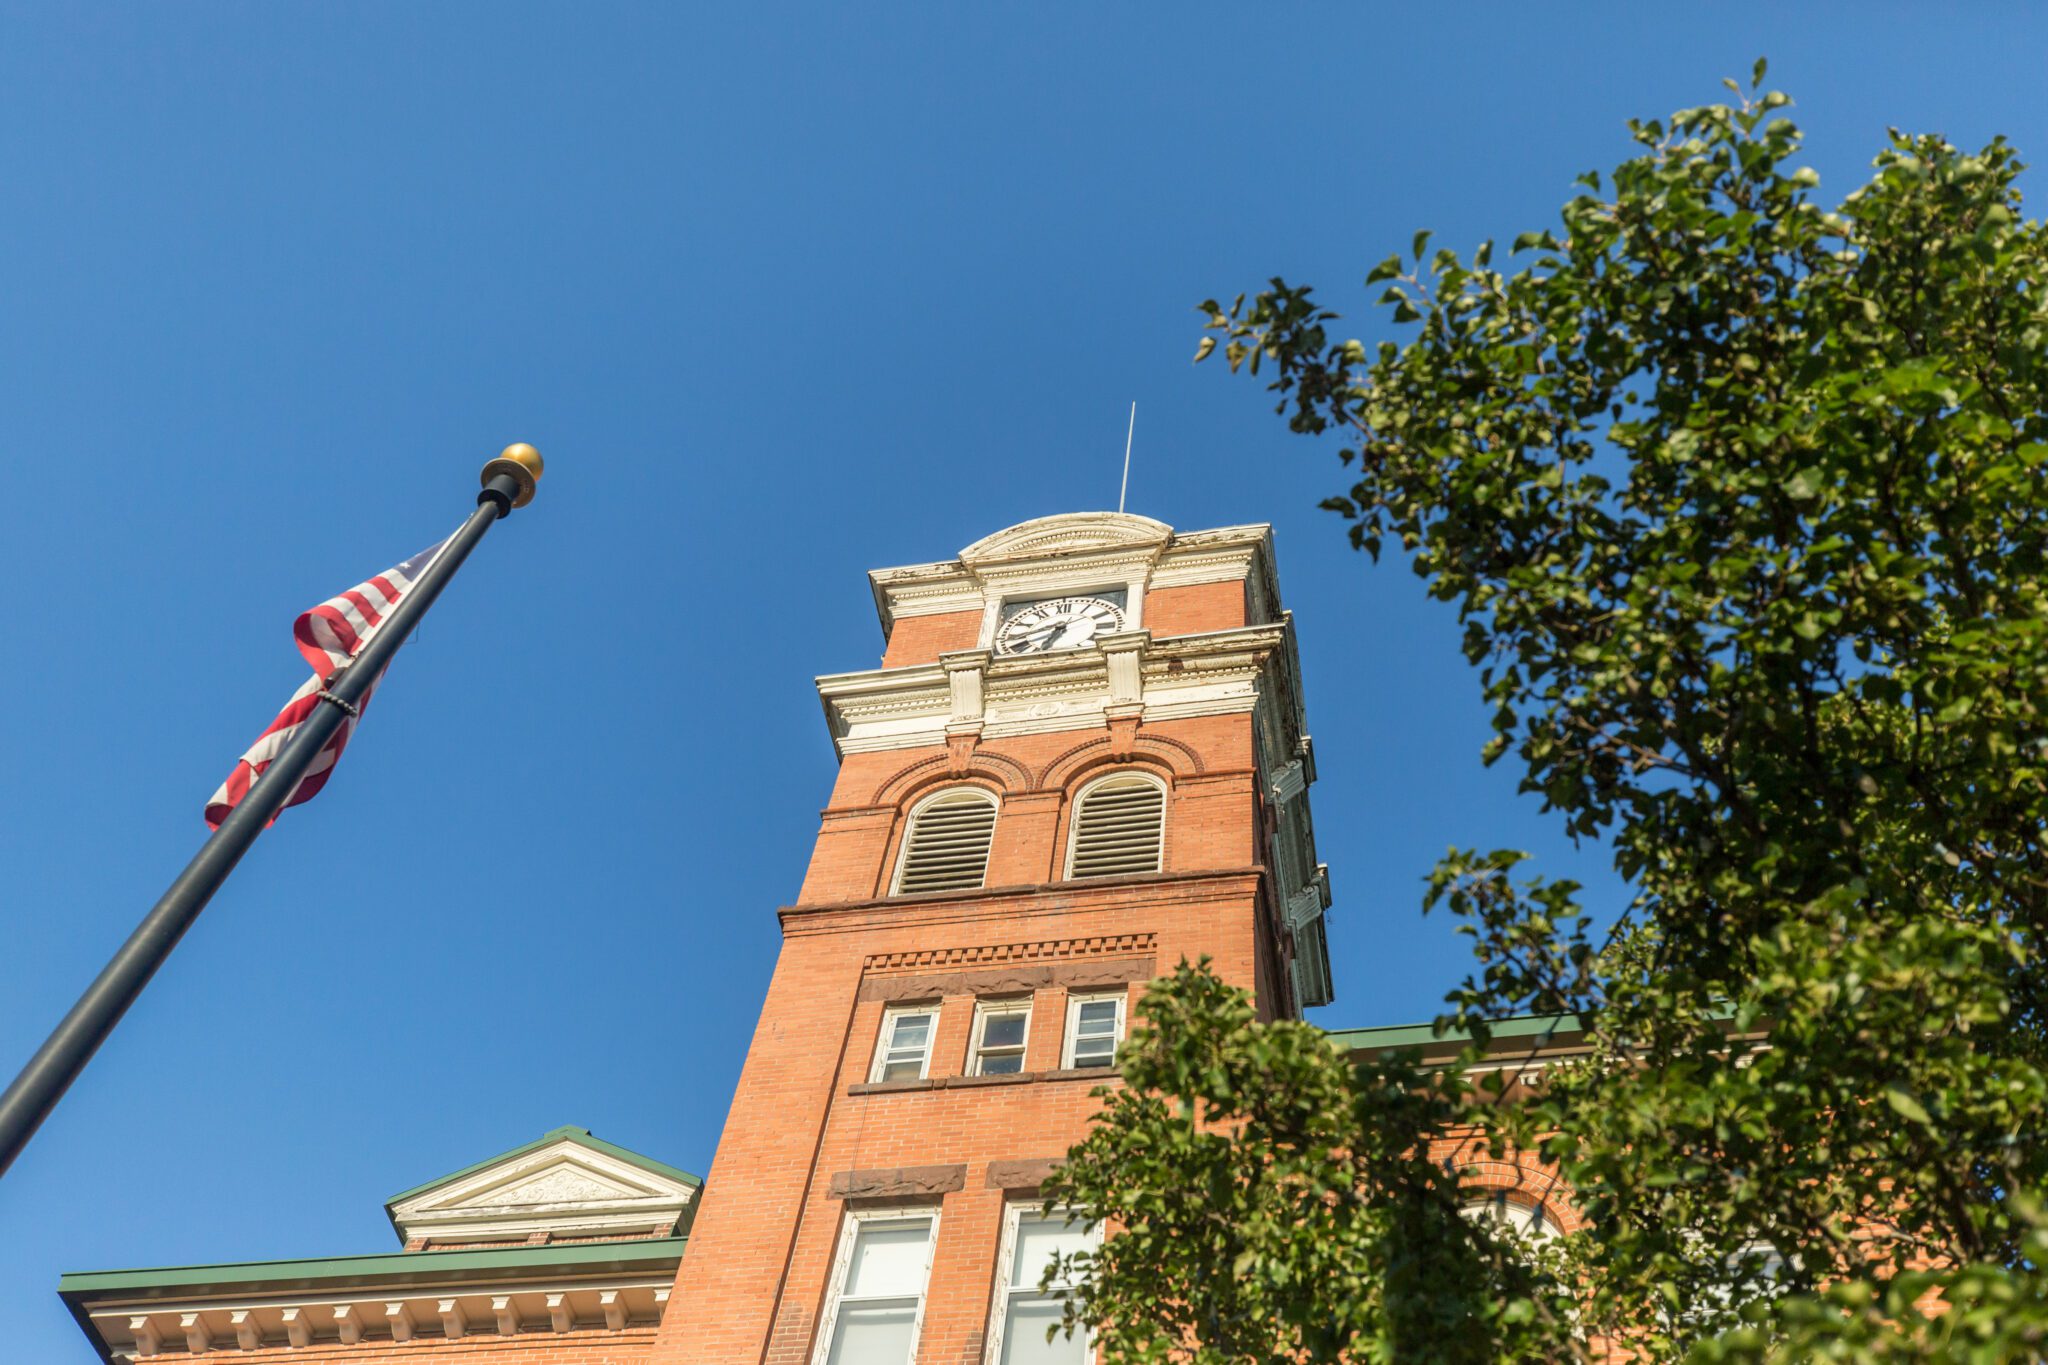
pixel 1082 760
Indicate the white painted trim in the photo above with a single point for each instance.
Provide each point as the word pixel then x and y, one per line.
pixel 1210 674
pixel 842 1259
pixel 889 1016
pixel 606 1195
pixel 1006 1258
pixel 983 1010
pixel 1071 1034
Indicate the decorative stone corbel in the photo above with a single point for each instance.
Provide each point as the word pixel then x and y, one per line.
pixel 298 1326
pixel 1124 653
pixel 148 1341
pixel 561 1316
pixel 1314 898
pixel 1124 656
pixel 400 1318
pixel 966 670
pixel 614 1306
pixel 349 1323
pixel 198 1337
pixel 454 1322
pixel 1290 782
pixel 507 1315
pixel 248 1332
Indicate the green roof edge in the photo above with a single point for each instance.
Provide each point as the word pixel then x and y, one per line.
pixel 567 1130
pixel 1421 1035
pixel 412 1264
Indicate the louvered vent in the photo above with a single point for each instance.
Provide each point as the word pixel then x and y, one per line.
pixel 1118 829
pixel 947 848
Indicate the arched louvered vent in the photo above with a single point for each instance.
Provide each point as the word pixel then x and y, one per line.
pixel 947 846
pixel 1119 828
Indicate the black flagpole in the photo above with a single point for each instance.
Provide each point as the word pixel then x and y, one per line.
pixel 508 482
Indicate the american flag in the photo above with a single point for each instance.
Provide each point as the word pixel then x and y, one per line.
pixel 329 636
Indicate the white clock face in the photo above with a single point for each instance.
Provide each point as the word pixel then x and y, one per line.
pixel 1057 623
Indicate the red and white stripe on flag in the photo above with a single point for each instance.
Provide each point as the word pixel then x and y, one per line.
pixel 329 636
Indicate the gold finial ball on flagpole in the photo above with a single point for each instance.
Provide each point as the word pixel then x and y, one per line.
pixel 523 463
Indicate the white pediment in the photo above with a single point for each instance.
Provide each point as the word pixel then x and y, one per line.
pixel 565 1184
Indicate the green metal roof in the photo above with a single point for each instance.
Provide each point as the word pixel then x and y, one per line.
pixel 474 1264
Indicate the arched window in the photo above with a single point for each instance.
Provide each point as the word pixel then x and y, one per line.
pixel 946 846
pixel 1498 1213
pixel 1119 828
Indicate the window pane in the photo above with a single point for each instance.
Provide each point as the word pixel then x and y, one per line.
pixel 1097 1016
pixel 1008 1064
pixel 911 1031
pixel 1002 1030
pixel 903 1071
pixel 1094 1051
pixel 888 1258
pixel 1038 1239
pixel 874 1333
pixel 1024 1340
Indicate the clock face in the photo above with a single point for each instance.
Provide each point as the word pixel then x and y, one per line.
pixel 1057 623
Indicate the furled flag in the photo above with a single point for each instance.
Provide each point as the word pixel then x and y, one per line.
pixel 329 636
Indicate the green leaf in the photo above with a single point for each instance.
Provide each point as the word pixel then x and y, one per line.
pixel 1906 1104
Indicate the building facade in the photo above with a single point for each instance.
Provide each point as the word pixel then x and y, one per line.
pixel 1083 759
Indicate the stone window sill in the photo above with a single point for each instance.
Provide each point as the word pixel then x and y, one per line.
pixel 1079 1073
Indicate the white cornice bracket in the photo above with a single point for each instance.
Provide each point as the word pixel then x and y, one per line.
pixel 454 1322
pixel 248 1332
pixel 198 1337
pixel 561 1316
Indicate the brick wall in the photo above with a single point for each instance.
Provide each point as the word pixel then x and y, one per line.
pixel 753 1284
pixel 922 639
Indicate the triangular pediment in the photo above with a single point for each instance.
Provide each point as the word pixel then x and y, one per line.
pixel 569 1182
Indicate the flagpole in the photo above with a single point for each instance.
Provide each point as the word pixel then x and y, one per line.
pixel 508 482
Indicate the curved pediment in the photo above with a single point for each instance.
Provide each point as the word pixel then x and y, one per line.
pixel 1068 533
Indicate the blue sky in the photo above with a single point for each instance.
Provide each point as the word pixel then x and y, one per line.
pixel 783 293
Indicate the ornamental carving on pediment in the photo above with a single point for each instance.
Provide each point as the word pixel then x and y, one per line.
pixel 563 1185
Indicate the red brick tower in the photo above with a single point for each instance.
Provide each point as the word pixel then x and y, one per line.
pixel 1083 759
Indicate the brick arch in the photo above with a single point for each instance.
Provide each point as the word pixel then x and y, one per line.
pixel 1524 1179
pixel 1006 774
pixel 1172 755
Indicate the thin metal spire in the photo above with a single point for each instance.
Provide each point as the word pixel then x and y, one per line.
pixel 1128 433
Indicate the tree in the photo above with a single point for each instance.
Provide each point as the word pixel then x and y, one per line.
pixel 1743 503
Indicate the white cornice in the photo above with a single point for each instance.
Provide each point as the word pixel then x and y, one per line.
pixel 1217 673
pixel 514 1306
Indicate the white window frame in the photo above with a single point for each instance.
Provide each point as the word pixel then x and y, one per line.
pixel 842 1261
pixel 1072 1034
pixel 983 1011
pixel 889 1018
pixel 1006 1257
pixel 1081 797
pixel 910 828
